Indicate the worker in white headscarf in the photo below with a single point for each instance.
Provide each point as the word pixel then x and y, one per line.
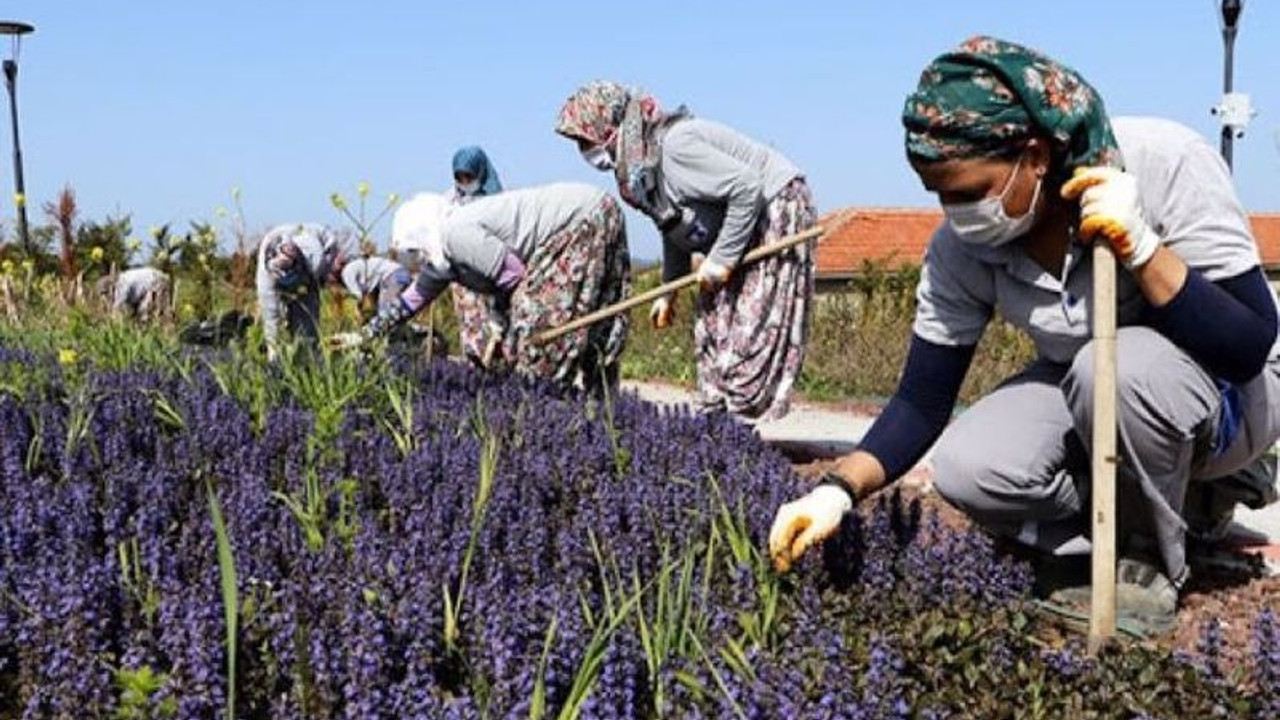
pixel 140 293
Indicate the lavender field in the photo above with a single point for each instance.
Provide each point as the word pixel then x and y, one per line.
pixel 201 536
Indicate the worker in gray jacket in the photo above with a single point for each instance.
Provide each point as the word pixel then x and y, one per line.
pixel 374 282
pixel 547 254
pixel 713 192
pixel 1028 169
pixel 295 261
pixel 141 293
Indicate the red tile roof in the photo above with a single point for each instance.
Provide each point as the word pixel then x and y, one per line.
pixel 1266 231
pixel 898 236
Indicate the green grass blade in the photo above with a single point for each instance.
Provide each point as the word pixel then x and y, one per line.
pixel 230 595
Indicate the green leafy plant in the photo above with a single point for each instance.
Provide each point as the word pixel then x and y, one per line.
pixel 201 264
pixel 359 219
pixel 240 264
pixel 138 688
pixel 135 580
pixel 490 448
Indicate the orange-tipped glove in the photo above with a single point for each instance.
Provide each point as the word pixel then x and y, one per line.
pixel 801 523
pixel 1110 208
pixel 662 312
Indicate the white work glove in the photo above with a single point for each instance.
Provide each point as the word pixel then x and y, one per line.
pixel 345 341
pixel 662 312
pixel 801 523
pixel 1109 208
pixel 711 275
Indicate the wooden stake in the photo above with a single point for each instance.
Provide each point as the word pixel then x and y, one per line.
pixel 670 287
pixel 1102 606
pixel 10 307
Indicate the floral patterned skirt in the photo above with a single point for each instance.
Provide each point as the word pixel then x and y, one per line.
pixel 749 338
pixel 577 271
pixel 472 309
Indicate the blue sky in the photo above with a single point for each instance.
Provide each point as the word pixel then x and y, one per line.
pixel 159 109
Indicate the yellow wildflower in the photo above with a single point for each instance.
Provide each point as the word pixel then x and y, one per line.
pixel 96 254
pixel 362 189
pixel 337 201
pixel 392 199
pixel 67 356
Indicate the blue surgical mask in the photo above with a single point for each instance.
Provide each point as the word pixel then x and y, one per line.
pixel 984 222
pixel 598 157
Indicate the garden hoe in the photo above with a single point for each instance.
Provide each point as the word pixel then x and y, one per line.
pixel 678 284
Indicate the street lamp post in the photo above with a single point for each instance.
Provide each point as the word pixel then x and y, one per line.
pixel 16 30
pixel 1234 111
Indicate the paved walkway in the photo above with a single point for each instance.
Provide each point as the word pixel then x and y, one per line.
pixel 808 432
pixel 814 432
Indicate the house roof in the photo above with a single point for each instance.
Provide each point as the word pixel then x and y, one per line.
pixel 898 236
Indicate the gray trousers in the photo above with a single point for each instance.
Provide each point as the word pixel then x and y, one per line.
pixel 1017 461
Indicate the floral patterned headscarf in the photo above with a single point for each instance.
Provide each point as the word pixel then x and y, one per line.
pixel 602 109
pixel 989 96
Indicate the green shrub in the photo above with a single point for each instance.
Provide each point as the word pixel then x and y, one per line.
pixel 857 342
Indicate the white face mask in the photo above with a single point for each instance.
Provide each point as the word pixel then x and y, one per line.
pixel 598 158
pixel 469 188
pixel 984 222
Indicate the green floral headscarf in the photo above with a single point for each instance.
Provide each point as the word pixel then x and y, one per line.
pixel 989 96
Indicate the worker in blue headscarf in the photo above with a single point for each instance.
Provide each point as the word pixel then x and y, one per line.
pixel 473 175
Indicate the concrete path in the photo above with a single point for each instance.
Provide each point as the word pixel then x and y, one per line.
pixel 808 431
pixel 813 432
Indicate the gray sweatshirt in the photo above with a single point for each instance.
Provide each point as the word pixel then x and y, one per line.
pixel 293 261
pixel 133 285
pixel 479 235
pixel 364 276
pixel 724 180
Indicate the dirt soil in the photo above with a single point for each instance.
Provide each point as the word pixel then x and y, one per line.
pixel 1235 596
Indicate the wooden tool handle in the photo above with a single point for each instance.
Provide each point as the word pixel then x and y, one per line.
pixel 670 287
pixel 1102 605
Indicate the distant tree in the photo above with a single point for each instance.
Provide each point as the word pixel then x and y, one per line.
pixel 101 246
pixel 164 254
pixel 200 263
pixel 62 213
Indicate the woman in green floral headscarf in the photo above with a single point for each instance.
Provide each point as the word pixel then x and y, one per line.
pixel 712 191
pixel 1027 166
pixel 987 99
